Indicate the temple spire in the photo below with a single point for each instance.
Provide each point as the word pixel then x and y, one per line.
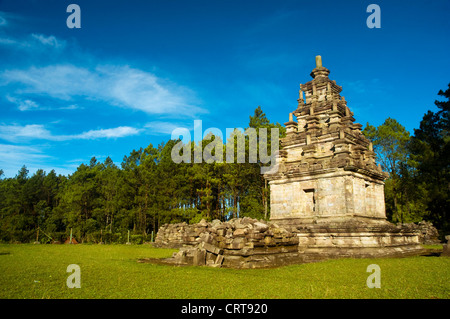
pixel 318 61
pixel 319 70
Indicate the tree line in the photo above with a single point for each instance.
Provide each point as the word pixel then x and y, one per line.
pixel 101 202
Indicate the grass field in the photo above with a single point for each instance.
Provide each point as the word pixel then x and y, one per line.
pixel 112 271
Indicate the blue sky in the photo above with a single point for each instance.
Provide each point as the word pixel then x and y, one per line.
pixel 138 69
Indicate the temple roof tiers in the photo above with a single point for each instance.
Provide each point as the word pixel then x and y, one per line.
pixel 325 133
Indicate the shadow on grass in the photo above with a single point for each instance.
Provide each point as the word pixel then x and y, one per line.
pixel 432 252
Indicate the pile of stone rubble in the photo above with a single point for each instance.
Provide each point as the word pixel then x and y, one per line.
pixel 428 234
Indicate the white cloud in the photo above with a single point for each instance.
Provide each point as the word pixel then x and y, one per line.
pixel 14 153
pixel 23 105
pixel 121 131
pixel 70 107
pixel 34 44
pixel 14 157
pixel 85 80
pixel 121 86
pixel 161 127
pixel 6 18
pixel 45 72
pixel 50 41
pixel 30 105
pixel 8 41
pixel 3 21
pixel 14 133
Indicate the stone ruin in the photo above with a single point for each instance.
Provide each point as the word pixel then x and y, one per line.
pixel 238 243
pixel 251 243
pixel 428 234
pixel 326 197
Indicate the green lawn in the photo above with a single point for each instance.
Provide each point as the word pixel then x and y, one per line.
pixel 112 271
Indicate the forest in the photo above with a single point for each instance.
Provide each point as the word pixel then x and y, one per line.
pixel 102 202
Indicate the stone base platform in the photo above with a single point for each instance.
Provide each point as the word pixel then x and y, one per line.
pixel 354 238
pixel 249 243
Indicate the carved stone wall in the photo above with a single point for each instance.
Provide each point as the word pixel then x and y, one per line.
pixel 311 198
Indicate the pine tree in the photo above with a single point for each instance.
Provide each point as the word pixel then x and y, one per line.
pixel 430 149
pixel 390 141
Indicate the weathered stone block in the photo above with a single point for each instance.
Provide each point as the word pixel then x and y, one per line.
pixel 219 260
pixel 238 243
pixel 221 232
pixel 255 236
pixel 240 232
pixel 268 240
pixel 199 258
pixel 260 227
pixel 211 248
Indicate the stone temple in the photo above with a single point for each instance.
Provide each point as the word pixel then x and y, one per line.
pixel 326 184
pixel 326 170
pixel 326 197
